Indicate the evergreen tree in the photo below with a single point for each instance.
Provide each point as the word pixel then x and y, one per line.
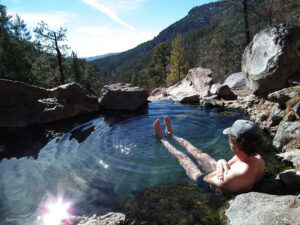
pixel 178 66
pixel 20 30
pixel 50 42
pixel 160 58
pixel 4 40
pixel 75 67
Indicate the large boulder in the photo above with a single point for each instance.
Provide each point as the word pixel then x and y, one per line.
pixel 122 97
pixel 272 58
pixel 197 83
pixel 158 94
pixel 259 209
pixel 222 91
pixel 236 81
pixel 288 133
pixel 23 104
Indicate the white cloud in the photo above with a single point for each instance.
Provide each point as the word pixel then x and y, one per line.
pixel 111 8
pixel 54 20
pixel 98 40
pixel 123 5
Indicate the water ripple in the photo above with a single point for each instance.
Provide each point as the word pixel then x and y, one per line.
pixel 99 160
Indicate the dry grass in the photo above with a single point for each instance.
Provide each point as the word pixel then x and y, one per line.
pixel 291 103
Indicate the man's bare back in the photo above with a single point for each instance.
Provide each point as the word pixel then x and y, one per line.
pixel 240 176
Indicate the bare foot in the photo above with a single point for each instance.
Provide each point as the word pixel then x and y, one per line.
pixel 157 129
pixel 168 125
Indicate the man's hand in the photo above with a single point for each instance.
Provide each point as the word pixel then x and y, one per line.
pixel 222 167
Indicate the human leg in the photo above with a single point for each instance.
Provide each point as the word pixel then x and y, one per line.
pixel 206 162
pixel 189 166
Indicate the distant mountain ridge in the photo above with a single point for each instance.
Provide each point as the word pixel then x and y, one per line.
pixel 213 37
pixel 100 56
pixel 197 17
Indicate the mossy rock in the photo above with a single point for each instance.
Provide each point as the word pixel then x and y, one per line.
pixel 176 203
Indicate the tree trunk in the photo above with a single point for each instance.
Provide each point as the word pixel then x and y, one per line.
pixel 246 21
pixel 59 59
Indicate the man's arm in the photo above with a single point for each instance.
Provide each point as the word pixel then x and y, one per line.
pixel 234 181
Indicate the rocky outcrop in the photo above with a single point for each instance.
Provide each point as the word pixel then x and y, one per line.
pixel 291 156
pixel 288 133
pixel 222 91
pixel 236 81
pixel 284 95
pixel 271 58
pixel 196 84
pixel 122 97
pixel 22 104
pixel 108 219
pixel 296 110
pixel 260 209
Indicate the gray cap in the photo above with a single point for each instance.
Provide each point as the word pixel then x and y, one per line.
pixel 243 129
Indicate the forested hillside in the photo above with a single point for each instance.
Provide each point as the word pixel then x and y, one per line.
pixel 211 36
pixel 35 60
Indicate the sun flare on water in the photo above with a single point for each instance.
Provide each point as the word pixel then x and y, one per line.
pixel 55 212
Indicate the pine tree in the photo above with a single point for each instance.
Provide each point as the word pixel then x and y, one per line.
pixel 50 42
pixel 4 41
pixel 178 65
pixel 160 58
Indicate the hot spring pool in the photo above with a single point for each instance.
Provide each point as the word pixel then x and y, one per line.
pixel 97 163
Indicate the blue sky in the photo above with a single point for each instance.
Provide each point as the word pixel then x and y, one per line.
pixel 96 27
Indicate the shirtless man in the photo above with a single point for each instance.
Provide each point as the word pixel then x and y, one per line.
pixel 238 174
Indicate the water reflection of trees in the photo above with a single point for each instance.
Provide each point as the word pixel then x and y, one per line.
pixel 28 141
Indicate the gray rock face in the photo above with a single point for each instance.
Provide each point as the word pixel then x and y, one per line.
pixel 286 132
pixel 108 219
pixel 292 156
pixel 197 82
pixel 122 97
pixel 271 58
pixel 296 110
pixel 283 95
pixel 236 81
pixel 276 116
pixel 158 94
pixel 23 104
pixel 194 86
pixel 223 91
pixel 261 209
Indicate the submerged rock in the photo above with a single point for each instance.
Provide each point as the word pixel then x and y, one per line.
pixel 122 97
pixel 108 219
pixel 260 209
pixel 25 104
pixel 272 58
pixel 172 204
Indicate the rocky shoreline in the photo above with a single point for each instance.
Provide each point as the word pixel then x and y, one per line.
pixel 268 91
